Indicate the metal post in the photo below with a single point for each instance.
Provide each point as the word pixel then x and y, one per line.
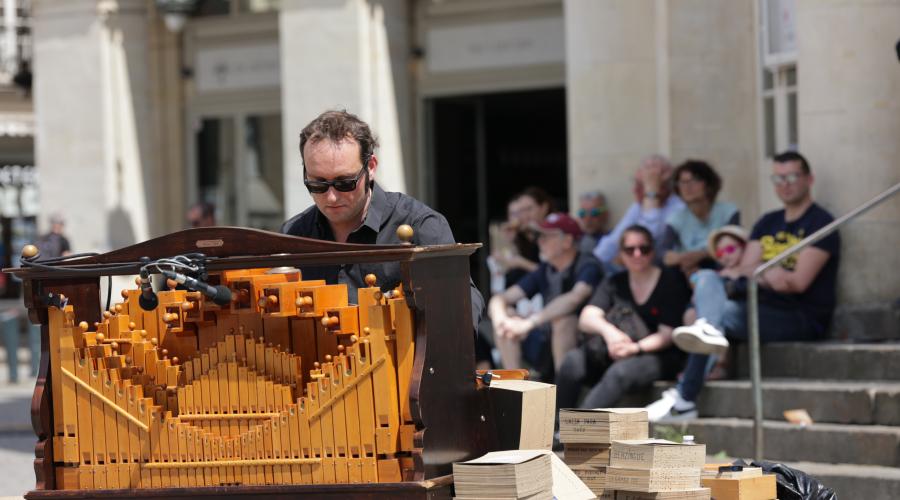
pixel 755 369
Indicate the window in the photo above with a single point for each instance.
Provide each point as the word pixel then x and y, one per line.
pixel 15 41
pixel 778 53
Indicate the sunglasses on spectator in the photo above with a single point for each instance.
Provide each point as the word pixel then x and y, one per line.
pixel 594 212
pixel 342 185
pixel 726 250
pixel 780 180
pixel 645 249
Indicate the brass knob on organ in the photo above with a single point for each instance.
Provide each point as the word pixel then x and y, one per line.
pixel 30 252
pixel 405 233
pixel 269 300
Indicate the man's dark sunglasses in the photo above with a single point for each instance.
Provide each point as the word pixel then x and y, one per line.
pixel 342 185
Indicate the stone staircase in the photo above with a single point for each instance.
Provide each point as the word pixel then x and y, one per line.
pixel 852 393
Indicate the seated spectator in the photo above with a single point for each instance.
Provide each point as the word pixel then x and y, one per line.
pixel 654 202
pixel 593 217
pixel 727 244
pixel 566 279
pixel 54 243
pixel 525 210
pixel 202 214
pixel 796 299
pixel 629 323
pixel 687 229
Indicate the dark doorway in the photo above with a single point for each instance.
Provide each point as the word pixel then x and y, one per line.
pixel 485 148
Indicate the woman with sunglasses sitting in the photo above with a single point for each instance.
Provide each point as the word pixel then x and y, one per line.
pixel 628 324
pixel 687 229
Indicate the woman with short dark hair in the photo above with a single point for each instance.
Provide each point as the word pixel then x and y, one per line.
pixel 687 229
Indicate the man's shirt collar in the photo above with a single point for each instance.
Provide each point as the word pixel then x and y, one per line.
pixel 375 214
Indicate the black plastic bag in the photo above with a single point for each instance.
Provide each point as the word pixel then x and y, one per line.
pixel 794 484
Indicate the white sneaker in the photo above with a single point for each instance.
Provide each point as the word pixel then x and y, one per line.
pixel 661 407
pixel 671 407
pixel 700 338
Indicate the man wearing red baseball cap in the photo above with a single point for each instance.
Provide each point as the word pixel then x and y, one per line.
pixel 565 279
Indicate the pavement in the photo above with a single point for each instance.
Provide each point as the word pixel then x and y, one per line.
pixel 17 439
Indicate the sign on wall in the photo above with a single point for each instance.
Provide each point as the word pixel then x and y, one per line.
pixel 501 44
pixel 244 67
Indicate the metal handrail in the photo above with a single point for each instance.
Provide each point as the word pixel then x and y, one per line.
pixel 753 307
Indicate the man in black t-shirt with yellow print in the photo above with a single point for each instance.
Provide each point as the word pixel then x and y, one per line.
pixel 796 298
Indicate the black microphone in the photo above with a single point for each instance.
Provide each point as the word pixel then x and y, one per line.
pixel 220 295
pixel 148 299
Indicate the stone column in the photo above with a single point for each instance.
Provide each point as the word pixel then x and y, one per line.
pixel 652 76
pixel 341 55
pixel 95 140
pixel 712 86
pixel 611 93
pixel 849 124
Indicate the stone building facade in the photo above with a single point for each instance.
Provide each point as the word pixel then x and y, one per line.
pixel 472 100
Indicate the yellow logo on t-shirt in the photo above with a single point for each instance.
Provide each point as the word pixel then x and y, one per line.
pixel 781 241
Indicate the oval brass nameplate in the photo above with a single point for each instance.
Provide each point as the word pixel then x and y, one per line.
pixel 209 243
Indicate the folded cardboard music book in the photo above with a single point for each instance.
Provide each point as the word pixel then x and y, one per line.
pixel 654 465
pixel 697 494
pixel 579 456
pixel 656 454
pixel 518 474
pixel 602 425
pixel 534 404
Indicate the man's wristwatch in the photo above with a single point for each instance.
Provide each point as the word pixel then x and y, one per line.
pixel 640 349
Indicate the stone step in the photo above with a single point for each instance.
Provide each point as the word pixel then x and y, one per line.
pixel 855 481
pixel 870 321
pixel 823 443
pixel 827 401
pixel 824 360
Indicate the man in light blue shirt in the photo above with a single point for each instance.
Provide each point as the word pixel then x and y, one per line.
pixel 654 203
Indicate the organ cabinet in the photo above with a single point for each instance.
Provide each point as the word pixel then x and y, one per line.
pixel 253 381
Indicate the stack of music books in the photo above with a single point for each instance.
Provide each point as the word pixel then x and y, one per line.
pixel 656 469
pixel 587 435
pixel 505 475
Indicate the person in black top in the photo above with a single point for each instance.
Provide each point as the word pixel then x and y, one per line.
pixel 629 323
pixel 339 163
pixel 796 298
pixel 54 243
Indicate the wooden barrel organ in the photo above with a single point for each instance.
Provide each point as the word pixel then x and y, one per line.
pixel 289 385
